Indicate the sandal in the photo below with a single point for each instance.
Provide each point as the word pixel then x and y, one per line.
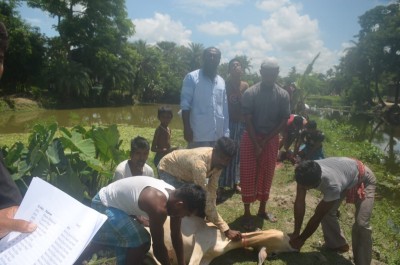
pixel 268 216
pixel 248 223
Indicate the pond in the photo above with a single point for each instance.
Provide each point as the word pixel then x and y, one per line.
pixel 377 131
pixel 143 115
pixel 386 137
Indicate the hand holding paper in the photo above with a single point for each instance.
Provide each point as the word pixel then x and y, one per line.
pixel 64 228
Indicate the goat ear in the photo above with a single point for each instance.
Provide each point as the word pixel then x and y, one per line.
pixel 262 255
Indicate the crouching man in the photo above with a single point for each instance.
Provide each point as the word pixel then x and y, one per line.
pixel 124 199
pixel 336 178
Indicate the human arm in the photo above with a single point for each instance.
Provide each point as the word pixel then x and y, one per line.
pixel 154 143
pixel 10 197
pixel 252 134
pixel 226 115
pixel 9 224
pixel 154 203
pixel 299 209
pixel 188 86
pixel 321 210
pixel 274 132
pixel 187 129
pixel 176 238
pixel 211 209
pixel 283 140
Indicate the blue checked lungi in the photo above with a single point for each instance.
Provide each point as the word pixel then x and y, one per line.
pixel 120 231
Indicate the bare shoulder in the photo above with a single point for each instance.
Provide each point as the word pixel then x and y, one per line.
pixel 153 201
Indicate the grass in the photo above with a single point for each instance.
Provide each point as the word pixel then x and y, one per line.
pixel 340 141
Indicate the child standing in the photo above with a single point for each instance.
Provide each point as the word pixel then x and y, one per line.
pixel 161 144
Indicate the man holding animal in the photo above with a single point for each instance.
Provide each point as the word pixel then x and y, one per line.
pixel 336 178
pixel 124 199
pixel 201 166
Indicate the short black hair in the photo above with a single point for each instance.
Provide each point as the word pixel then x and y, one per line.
pixel 139 142
pixel 226 146
pixel 298 121
pixel 164 109
pixel 311 125
pixel 231 62
pixel 3 37
pixel 194 196
pixel 308 173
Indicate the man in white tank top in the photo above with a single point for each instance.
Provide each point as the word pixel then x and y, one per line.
pixel 124 199
pixel 336 178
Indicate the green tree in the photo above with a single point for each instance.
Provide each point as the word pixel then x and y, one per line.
pixel 374 61
pixel 194 55
pixel 25 55
pixel 147 76
pixel 93 34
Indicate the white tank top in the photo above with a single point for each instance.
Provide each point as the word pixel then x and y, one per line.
pixel 124 194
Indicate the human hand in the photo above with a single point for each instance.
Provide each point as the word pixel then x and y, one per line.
pixel 257 150
pixel 233 235
pixel 296 242
pixel 143 220
pixel 9 224
pixel 188 134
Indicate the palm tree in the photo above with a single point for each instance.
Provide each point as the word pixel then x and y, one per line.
pixel 194 55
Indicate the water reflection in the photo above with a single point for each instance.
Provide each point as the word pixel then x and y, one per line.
pixel 139 116
pixel 373 129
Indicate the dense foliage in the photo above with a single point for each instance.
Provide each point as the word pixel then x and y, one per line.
pixel 92 62
pixel 78 161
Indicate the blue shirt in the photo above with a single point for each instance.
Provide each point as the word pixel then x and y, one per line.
pixel 207 102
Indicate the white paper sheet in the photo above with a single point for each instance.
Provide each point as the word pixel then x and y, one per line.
pixel 65 228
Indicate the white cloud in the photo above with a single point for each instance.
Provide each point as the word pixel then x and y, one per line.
pixel 218 28
pixel 285 35
pixel 194 4
pixel 161 28
pixel 271 5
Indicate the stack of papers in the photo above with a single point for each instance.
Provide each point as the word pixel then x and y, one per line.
pixel 64 228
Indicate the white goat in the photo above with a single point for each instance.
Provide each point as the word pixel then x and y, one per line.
pixel 203 242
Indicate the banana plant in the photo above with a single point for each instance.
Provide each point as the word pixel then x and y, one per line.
pixel 301 92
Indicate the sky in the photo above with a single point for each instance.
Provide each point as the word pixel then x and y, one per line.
pixel 292 32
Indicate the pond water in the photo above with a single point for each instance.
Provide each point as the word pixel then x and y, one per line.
pixel 383 135
pixel 143 115
pixel 386 137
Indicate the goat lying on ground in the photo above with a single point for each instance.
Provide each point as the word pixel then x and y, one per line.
pixel 203 242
